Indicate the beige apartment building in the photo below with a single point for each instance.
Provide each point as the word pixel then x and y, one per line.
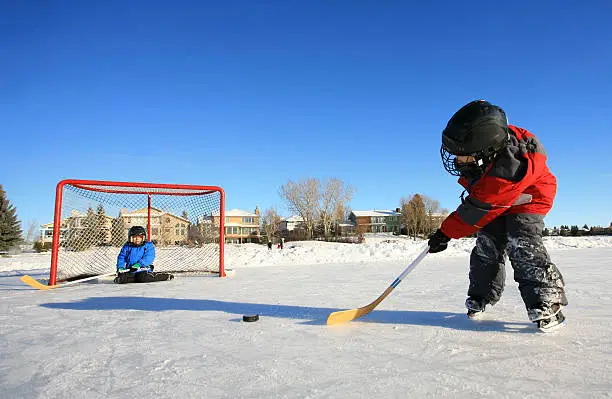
pixel 73 227
pixel 240 226
pixel 166 228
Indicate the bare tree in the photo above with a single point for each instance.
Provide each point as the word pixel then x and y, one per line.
pixel 346 212
pixel 413 214
pixel 271 221
pixel 302 198
pixel 32 231
pixel 334 198
pixel 209 232
pixel 432 210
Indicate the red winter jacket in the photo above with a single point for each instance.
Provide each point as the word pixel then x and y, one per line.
pixel 517 182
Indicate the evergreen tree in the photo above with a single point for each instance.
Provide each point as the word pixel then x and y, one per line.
pixel 83 231
pixel 10 226
pixel 574 231
pixel 118 232
pixel 90 234
pixel 101 233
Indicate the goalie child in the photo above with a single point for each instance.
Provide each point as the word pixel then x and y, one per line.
pixel 135 260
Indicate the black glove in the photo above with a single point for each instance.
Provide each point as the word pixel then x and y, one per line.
pixel 438 242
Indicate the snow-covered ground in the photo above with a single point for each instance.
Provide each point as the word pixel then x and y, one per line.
pixel 185 338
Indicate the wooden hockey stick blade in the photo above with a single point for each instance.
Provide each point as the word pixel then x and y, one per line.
pixel 343 316
pixel 29 280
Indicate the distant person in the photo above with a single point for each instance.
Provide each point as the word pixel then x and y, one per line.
pixel 510 190
pixel 269 245
pixel 135 260
pixel 282 240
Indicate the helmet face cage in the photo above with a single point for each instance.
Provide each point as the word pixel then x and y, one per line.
pixel 449 161
pixel 472 169
pixel 137 231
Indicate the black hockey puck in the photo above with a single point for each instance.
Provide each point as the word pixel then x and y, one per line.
pixel 250 317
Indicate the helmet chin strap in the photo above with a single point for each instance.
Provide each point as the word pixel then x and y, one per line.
pixel 472 170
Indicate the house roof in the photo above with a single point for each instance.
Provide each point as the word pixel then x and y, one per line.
pixel 387 212
pixel 76 214
pixel 236 212
pixel 141 211
pixel 293 219
pixel 382 212
pixel 144 212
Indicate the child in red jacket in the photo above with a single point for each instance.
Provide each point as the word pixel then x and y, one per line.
pixel 510 190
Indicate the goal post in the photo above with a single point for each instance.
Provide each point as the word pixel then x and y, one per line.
pixel 92 219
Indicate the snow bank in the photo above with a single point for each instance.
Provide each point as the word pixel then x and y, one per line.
pixel 377 248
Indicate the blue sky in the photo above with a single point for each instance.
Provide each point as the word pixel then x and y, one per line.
pixel 247 95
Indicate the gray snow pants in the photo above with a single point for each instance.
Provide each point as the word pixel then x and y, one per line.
pixel 520 237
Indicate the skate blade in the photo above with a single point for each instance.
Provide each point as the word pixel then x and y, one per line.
pixel 475 315
pixel 551 329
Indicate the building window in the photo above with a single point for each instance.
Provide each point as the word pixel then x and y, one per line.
pixel 232 230
pixel 247 219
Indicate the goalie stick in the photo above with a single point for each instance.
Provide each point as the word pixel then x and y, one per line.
pixel 29 280
pixel 343 316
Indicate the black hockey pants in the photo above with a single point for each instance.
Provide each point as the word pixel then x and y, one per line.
pixel 520 238
pixel 142 277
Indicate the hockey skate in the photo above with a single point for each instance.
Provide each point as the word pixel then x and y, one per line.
pixel 475 308
pixel 548 318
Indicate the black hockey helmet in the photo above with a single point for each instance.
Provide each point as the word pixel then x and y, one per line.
pixel 137 231
pixel 479 129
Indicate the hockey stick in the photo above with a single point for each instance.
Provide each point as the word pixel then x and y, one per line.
pixel 29 280
pixel 343 316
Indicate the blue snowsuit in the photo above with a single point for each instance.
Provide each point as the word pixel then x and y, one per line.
pixel 132 254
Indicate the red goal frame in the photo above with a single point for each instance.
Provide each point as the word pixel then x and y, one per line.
pixel 135 188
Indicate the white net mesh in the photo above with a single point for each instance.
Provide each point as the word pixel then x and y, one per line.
pixel 95 218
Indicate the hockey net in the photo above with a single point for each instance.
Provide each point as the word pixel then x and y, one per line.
pixel 92 219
